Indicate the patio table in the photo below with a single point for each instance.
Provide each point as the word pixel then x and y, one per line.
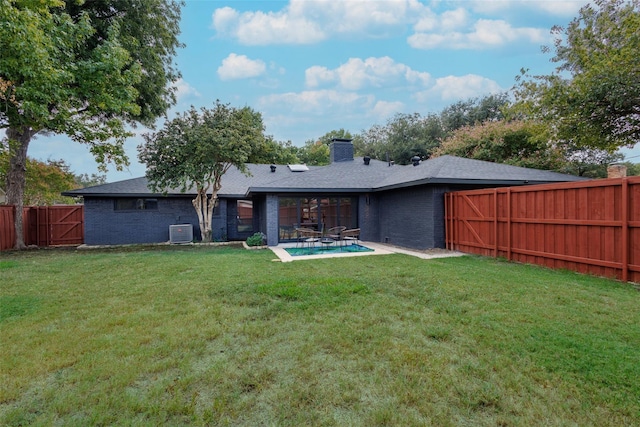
pixel 327 241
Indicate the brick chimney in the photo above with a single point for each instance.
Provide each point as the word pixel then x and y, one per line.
pixel 616 171
pixel 340 150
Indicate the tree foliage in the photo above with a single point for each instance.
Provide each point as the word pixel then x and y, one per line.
pixel 588 162
pixel 633 169
pixel 407 135
pixel 518 143
pixel 404 136
pixel 195 149
pixel 474 111
pixel 317 151
pixel 593 98
pixel 44 180
pixel 83 69
pixel 275 152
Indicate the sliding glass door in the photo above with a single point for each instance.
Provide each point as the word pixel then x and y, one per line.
pixel 318 213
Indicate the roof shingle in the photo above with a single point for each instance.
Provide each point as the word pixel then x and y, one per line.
pixel 347 176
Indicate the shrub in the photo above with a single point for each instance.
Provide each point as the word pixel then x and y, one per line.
pixel 258 239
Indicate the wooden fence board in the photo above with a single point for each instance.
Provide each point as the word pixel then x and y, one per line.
pixel 7 234
pixel 44 225
pixel 589 226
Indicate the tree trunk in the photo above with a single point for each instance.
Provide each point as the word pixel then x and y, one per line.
pixel 201 204
pixel 19 139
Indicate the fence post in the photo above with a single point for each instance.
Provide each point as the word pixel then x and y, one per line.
pixel 625 230
pixel 447 220
pixel 452 213
pixel 495 222
pixel 509 223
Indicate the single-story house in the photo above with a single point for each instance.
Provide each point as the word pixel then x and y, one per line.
pixel 400 205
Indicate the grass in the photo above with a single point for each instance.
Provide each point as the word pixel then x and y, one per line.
pixel 202 336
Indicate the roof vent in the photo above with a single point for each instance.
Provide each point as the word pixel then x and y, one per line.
pixel 181 233
pixel 366 159
pixel 415 160
pixel 273 168
pixel 298 168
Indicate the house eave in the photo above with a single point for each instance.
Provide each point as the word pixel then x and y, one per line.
pixel 455 181
pixel 312 190
pixel 120 195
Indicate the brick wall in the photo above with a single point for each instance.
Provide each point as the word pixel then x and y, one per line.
pixel 106 226
pixel 271 220
pixel 341 151
pixel 413 217
pixel 369 217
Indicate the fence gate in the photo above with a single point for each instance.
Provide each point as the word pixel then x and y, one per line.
pixel 59 225
pixel 44 225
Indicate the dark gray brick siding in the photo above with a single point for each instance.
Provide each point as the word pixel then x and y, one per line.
pixel 413 218
pixel 271 220
pixel 340 151
pixel 105 226
pixel 369 218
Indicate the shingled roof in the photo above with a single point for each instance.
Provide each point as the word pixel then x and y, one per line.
pixel 346 177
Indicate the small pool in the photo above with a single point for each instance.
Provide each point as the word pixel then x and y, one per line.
pixel 327 250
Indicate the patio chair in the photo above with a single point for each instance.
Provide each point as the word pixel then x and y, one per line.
pixel 351 235
pixel 334 232
pixel 307 237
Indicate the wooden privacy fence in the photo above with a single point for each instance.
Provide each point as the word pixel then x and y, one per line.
pixel 589 226
pixel 43 225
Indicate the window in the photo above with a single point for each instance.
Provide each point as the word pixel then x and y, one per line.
pixel 317 213
pixel 132 204
pixel 245 216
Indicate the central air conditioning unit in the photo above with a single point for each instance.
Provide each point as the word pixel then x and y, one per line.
pixel 181 233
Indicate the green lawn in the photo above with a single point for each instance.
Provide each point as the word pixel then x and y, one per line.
pixel 223 336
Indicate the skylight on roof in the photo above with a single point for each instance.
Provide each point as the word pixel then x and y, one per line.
pixel 298 168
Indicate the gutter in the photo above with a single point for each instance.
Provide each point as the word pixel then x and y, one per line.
pixel 490 182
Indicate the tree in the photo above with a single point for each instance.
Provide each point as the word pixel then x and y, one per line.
pixel 317 152
pixel 314 153
pixel 588 162
pixel 85 180
pixel 474 111
pixel 403 137
pixel 633 169
pixel 518 143
pixel 195 150
pixel 592 99
pixel 84 69
pixel 44 180
pixel 275 152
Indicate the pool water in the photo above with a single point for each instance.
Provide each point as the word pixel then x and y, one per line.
pixel 326 250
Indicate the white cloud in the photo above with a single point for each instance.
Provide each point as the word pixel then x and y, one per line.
pixel 260 28
pixel 453 19
pixel 306 22
pixel 566 8
pixel 225 19
pixel 356 74
pixel 451 88
pixel 485 34
pixel 382 110
pixel 185 90
pixel 316 102
pixel 240 67
pixel 312 113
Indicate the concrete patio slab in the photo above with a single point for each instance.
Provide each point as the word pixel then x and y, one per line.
pixel 378 249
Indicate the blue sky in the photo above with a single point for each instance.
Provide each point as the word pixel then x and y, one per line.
pixel 312 66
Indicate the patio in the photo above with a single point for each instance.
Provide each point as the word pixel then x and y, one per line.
pixel 376 249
